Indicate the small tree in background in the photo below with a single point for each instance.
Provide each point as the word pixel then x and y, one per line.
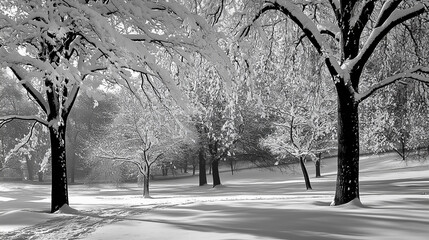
pixel 140 135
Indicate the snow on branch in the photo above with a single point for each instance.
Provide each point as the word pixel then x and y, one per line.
pixel 359 21
pixel 418 73
pixel 13 58
pixel 20 144
pixel 9 118
pixel 22 76
pixel 378 33
pixel 335 5
pixel 154 26
pixel 387 9
pixel 309 28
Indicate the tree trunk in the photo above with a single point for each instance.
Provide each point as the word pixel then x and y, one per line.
pixel 215 172
pixel 163 169
pixel 403 144
pixel 305 173
pixel 59 195
pixel 185 166
pixel 347 186
pixel 202 168
pixel 194 166
pixel 318 162
pixel 231 162
pixel 30 168
pixel 173 170
pixel 146 179
pixel 40 176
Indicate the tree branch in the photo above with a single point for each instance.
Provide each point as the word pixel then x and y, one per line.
pixel 329 33
pixel 387 9
pixel 335 5
pixel 414 73
pixel 291 10
pixel 21 74
pixel 361 20
pixel 156 159
pixel 138 165
pixel 71 98
pixel 9 118
pixel 291 133
pixel 378 33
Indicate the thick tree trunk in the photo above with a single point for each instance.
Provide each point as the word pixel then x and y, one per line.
pixel 202 168
pixel 347 186
pixel 215 167
pixel 59 195
pixel 305 173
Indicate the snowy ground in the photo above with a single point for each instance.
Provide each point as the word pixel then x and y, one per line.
pixel 252 204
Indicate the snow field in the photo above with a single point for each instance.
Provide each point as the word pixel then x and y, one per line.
pixel 252 204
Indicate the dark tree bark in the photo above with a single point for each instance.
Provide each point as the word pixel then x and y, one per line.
pixel 231 163
pixel 317 164
pixel 202 168
pixel 305 173
pixel 215 172
pixel 146 181
pixel 347 186
pixel 59 195
pixel 57 117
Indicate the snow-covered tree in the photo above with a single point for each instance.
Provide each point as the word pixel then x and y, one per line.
pixel 216 116
pixel 56 47
pixel 346 47
pixel 14 155
pixel 141 134
pixel 303 109
pixel 396 117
